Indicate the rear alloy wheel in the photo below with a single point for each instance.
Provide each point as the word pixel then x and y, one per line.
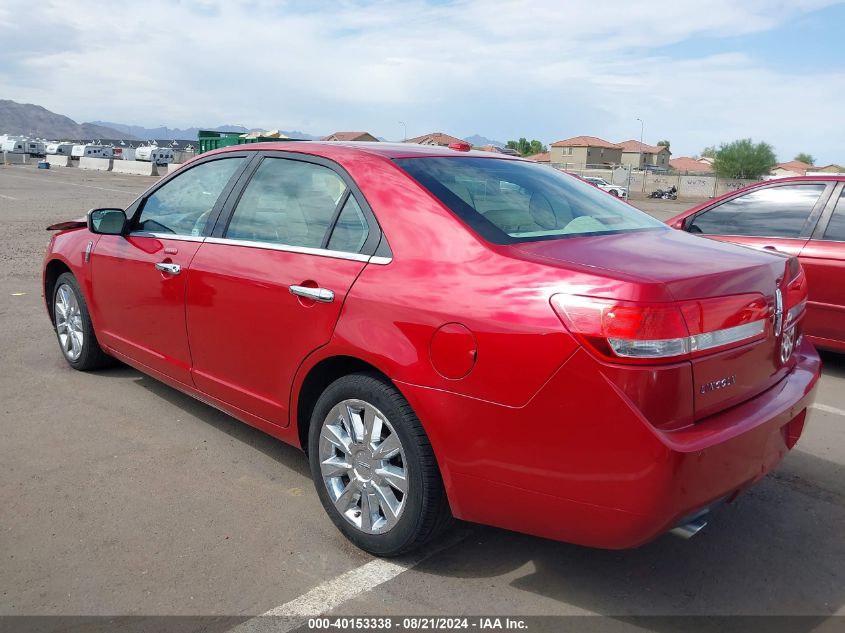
pixel 374 468
pixel 73 326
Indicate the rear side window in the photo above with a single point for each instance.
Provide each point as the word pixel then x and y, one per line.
pixel 182 205
pixel 767 212
pixel 835 231
pixel 351 230
pixel 510 201
pixel 287 202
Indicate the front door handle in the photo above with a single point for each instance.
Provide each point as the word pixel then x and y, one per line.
pixel 323 295
pixel 770 248
pixel 170 269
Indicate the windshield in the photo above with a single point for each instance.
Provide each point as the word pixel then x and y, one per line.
pixel 510 201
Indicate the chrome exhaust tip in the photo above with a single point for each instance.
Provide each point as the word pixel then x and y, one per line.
pixel 690 528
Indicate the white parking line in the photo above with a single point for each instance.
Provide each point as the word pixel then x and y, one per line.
pixel 827 409
pixel 335 592
pixel 7 197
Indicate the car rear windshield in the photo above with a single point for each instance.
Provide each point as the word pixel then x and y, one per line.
pixel 510 201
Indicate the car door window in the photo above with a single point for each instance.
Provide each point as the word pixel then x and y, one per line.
pixel 182 205
pixel 351 229
pixel 767 212
pixel 287 202
pixel 835 231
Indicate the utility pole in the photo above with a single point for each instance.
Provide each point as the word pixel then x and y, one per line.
pixel 405 131
pixel 640 160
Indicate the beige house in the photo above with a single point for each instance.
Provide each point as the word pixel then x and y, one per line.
pixel 829 169
pixel 351 136
pixel 641 156
pixel 580 151
pixel 435 138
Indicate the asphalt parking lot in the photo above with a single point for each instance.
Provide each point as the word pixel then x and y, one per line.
pixel 121 496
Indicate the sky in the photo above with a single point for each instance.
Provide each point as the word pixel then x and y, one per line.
pixel 696 73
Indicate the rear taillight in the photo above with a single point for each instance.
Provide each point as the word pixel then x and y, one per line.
pixel 646 332
pixel 795 297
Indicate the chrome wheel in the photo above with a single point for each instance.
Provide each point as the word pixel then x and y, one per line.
pixel 69 322
pixel 362 463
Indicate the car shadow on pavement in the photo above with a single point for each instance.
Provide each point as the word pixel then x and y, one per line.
pixel 834 364
pixel 777 550
pixel 289 455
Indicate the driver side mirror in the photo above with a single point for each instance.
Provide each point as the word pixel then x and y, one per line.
pixel 107 221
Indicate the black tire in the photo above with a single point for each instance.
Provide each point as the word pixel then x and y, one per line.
pixel 91 355
pixel 614 193
pixel 426 511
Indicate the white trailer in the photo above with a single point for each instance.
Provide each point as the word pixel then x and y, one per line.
pixel 94 151
pixel 60 149
pixel 154 154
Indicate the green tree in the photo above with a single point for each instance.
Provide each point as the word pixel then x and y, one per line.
pixel 804 157
pixel 663 143
pixel 744 159
pixel 709 152
pixel 537 148
pixel 526 147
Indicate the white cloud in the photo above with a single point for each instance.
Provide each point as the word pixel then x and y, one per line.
pixel 504 68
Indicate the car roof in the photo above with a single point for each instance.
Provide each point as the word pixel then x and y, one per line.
pixel 347 149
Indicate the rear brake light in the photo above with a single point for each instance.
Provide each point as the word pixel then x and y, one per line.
pixel 460 147
pixel 639 331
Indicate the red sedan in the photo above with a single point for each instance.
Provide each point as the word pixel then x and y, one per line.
pixel 802 216
pixel 450 334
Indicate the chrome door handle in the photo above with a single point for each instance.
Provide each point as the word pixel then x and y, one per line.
pixel 323 295
pixel 170 269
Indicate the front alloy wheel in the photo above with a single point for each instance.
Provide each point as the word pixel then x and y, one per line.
pixel 74 329
pixel 69 322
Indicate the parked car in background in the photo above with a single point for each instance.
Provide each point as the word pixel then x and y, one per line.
pixel 803 216
pixel 617 190
pixel 449 333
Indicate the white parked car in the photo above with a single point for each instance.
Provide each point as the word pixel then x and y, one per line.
pixel 617 190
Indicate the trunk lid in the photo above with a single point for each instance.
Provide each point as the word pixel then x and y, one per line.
pixel 678 267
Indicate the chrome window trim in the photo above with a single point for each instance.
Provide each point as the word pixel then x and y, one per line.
pixel 302 250
pixel 167 236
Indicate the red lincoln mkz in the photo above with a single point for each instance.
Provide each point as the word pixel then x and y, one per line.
pixel 447 334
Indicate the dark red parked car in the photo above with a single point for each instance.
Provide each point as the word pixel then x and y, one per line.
pixel 802 216
pixel 450 334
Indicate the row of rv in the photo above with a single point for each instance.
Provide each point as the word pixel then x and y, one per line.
pixel 150 153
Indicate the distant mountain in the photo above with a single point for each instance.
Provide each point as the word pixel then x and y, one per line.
pixel 175 133
pixel 28 119
pixel 477 140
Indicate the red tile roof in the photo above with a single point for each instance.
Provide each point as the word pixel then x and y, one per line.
pixel 636 146
pixel 796 166
pixel 435 138
pixel 585 141
pixel 545 157
pixel 685 163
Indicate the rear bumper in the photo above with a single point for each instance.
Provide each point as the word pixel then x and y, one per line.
pixel 579 463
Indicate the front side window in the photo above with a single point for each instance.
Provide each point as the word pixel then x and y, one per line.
pixel 766 212
pixel 510 201
pixel 835 231
pixel 287 202
pixel 182 205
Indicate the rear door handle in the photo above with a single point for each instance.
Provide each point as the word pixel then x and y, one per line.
pixel 323 295
pixel 170 269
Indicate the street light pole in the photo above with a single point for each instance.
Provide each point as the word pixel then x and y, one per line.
pixel 640 163
pixel 405 133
